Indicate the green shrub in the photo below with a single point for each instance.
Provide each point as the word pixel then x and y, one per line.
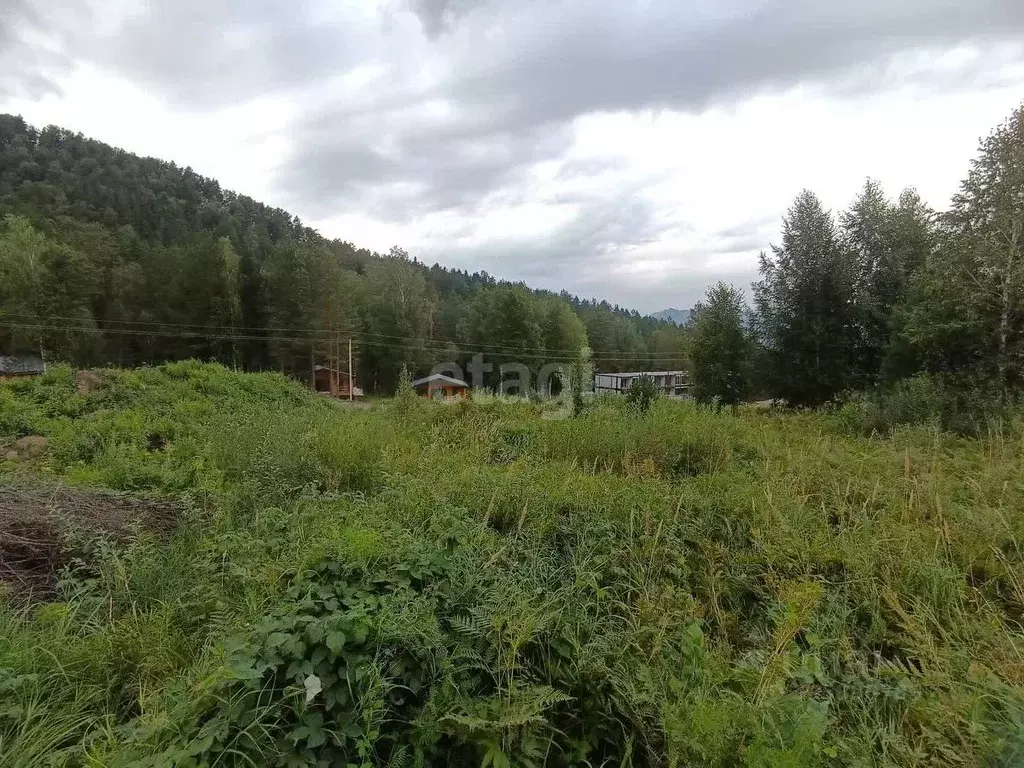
pixel 926 400
pixel 17 418
pixel 509 443
pixel 641 394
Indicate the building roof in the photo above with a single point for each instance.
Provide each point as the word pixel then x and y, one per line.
pixel 338 371
pixel 439 378
pixel 21 364
pixel 642 373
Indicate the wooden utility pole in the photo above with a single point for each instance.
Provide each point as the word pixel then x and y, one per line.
pixel 335 364
pixel 351 384
pixel 312 368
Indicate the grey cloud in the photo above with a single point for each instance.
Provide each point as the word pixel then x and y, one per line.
pixel 472 94
pixel 597 56
pixel 613 233
pixel 26 67
pixel 522 70
pixel 195 53
pixel 750 228
pixel 415 173
pixel 588 274
pixel 746 236
pixel 989 68
pixel 742 244
pixel 591 166
pixel 533 60
pixel 438 16
pixel 598 236
pixel 527 66
pixel 207 54
pixel 681 283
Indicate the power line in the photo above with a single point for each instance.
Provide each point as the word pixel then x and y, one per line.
pixel 313 335
pixel 417 344
pixel 156 332
pixel 313 332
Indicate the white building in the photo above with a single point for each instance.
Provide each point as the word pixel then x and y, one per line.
pixel 671 383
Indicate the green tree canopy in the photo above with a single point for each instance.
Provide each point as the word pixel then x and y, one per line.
pixel 806 308
pixel 968 317
pixel 887 244
pixel 721 348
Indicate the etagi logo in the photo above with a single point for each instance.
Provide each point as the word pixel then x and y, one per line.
pixel 515 378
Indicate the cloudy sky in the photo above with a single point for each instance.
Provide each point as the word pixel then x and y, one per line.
pixel 633 150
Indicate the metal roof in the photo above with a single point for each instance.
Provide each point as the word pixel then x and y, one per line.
pixel 435 378
pixel 642 373
pixel 21 364
pixel 338 371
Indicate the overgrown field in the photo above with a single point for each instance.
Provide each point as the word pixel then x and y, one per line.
pixel 479 584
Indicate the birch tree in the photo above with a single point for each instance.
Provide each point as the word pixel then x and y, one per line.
pixel 969 318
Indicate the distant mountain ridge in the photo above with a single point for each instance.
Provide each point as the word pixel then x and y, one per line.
pixel 673 315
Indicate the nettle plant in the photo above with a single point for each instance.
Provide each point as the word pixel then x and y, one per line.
pixel 321 681
pixel 355 669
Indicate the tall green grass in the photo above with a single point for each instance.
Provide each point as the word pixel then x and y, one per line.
pixel 477 584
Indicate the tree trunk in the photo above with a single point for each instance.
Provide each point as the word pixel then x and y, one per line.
pixel 1007 307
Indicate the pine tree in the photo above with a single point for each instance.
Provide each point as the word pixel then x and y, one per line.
pixel 289 279
pixel 720 350
pixel 914 237
pixel 887 244
pixel 987 221
pixel 562 330
pixel 865 234
pixel 805 306
pixel 399 307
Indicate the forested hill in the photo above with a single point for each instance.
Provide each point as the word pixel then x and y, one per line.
pixel 110 258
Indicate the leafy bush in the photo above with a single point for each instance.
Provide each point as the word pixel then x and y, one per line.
pixel 641 394
pixel 319 680
pixel 509 443
pixel 16 416
pixel 927 400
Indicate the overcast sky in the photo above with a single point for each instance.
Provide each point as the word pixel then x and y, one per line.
pixel 633 150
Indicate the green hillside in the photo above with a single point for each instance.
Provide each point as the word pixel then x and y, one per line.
pixel 140 261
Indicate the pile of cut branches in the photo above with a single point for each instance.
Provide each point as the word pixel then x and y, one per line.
pixel 36 519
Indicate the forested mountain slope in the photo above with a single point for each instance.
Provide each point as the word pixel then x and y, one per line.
pixel 107 257
pixel 677 316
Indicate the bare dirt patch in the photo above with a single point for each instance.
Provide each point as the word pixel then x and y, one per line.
pixel 36 519
pixel 26 448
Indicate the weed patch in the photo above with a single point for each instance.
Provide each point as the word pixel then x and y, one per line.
pixel 476 584
pixel 39 523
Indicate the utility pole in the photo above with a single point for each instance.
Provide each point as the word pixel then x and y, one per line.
pixel 312 369
pixel 336 362
pixel 351 383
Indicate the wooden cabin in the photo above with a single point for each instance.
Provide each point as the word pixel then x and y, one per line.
pixel 437 385
pixel 330 381
pixel 20 366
